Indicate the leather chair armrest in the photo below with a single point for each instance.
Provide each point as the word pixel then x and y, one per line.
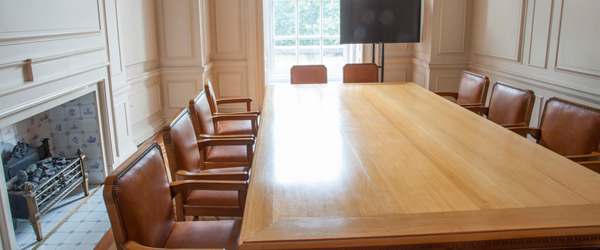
pixel 248 141
pixel 481 110
pixel 468 105
pixel 594 156
pixel 517 125
pixel 234 100
pixel 240 113
pixel 451 94
pixel 247 100
pixel 180 186
pixel 593 165
pixel 240 186
pixel 185 175
pixel 228 117
pixel 252 117
pixel 132 245
pixel 524 131
pixel 202 143
pixel 205 136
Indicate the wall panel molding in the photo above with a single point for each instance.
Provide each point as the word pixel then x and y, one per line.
pixel 178 17
pixel 540 33
pixel 563 88
pixel 46 21
pixel 179 92
pixel 575 51
pixel 508 20
pixel 230 84
pixel 453 24
pixel 229 33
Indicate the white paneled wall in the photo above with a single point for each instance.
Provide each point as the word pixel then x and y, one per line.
pixel 137 26
pixel 548 46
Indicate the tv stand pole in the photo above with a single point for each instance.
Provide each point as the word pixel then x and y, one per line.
pixel 381 78
pixel 381 62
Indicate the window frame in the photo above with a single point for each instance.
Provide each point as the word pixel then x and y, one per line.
pixel 350 52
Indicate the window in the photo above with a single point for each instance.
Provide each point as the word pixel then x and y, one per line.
pixel 305 32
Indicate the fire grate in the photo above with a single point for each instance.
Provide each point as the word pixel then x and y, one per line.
pixel 34 201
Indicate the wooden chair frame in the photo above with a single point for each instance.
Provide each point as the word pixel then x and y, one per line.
pixel 216 117
pixel 213 109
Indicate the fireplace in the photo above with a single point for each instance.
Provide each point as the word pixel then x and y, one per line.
pixel 63 140
pixel 70 126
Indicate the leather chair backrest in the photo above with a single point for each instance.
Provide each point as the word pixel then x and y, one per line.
pixel 181 144
pixel 569 128
pixel 210 95
pixel 472 89
pixel 360 72
pixel 138 199
pixel 201 115
pixel 309 74
pixel 510 104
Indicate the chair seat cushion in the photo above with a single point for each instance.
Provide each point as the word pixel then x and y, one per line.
pixel 234 127
pixel 227 154
pixel 205 234
pixel 212 198
pixel 226 170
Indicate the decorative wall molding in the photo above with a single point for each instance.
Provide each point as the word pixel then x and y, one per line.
pixel 482 47
pixel 144 76
pixel 13 89
pixel 552 85
pixel 575 53
pixel 229 35
pixel 446 36
pixel 230 84
pixel 541 22
pixel 178 17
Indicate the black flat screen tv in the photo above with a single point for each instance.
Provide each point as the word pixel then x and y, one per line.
pixel 380 21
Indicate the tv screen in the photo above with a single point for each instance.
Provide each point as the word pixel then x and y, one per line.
pixel 380 21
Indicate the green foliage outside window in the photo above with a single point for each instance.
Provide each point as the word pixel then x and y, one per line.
pixel 309 21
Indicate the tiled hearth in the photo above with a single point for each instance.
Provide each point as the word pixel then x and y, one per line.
pixel 82 230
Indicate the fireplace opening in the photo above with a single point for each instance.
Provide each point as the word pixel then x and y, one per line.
pixel 48 155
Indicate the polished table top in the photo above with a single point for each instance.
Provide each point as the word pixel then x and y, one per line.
pixel 395 164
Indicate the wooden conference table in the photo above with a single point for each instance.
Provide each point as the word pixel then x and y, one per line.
pixel 375 165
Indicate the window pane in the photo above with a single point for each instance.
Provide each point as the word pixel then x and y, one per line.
pixel 285 18
pixel 333 56
pixel 309 51
pixel 331 17
pixel 285 57
pixel 309 18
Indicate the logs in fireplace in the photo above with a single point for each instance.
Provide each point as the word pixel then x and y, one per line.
pixel 37 187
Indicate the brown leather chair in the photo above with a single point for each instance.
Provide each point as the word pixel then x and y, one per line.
pixel 309 74
pixel 569 129
pixel 204 128
pixel 139 202
pixel 510 106
pixel 185 163
pixel 233 127
pixel 222 124
pixel 472 90
pixel 360 72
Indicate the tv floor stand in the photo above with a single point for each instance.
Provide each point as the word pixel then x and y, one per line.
pixel 381 61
